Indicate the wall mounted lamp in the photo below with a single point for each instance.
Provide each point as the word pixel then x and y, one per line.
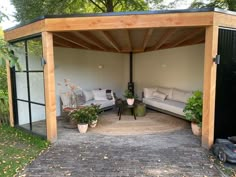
pixel 100 66
pixel 217 59
pixel 43 62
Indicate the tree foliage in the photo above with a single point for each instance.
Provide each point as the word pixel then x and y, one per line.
pixel 27 10
pixel 225 4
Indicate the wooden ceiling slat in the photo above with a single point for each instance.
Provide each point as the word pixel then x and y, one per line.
pixel 184 38
pixel 111 40
pixel 76 40
pixel 71 39
pixel 146 38
pixel 92 38
pixel 129 39
pixel 64 42
pixel 198 39
pixel 163 39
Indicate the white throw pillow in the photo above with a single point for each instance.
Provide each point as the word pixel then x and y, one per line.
pixel 159 95
pixel 99 94
pixel 148 92
pixel 181 95
pixel 88 95
pixel 166 91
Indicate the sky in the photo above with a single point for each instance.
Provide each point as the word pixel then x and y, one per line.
pixel 9 10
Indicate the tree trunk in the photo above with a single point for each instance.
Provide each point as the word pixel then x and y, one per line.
pixel 109 6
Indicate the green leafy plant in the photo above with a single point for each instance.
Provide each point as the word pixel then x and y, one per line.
pixel 193 108
pixel 85 114
pixel 128 94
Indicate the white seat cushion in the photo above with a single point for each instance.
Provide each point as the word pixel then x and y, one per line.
pixel 181 95
pixel 99 94
pixel 168 105
pixel 88 94
pixel 166 91
pixel 148 92
pixel 102 103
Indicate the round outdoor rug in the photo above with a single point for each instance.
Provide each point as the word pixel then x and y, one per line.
pixel 153 122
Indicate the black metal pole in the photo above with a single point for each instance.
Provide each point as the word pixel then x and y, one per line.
pixel 131 84
pixel 131 67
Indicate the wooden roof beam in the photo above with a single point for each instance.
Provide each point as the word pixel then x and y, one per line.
pixel 76 40
pixel 184 38
pixel 165 36
pixel 64 43
pixel 147 36
pixel 92 38
pixel 198 39
pixel 71 39
pixel 111 40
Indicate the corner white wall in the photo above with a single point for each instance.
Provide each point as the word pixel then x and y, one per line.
pixel 81 68
pixel 180 67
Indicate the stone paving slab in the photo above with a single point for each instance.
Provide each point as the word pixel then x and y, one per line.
pixel 173 154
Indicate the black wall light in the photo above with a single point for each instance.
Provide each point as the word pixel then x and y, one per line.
pixel 43 62
pixel 217 59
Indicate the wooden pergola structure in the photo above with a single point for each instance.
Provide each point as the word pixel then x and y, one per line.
pixel 124 33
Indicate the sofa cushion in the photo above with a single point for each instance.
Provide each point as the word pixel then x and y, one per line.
pixel 99 94
pixel 167 105
pixel 181 95
pixel 102 103
pixel 159 95
pixel 166 91
pixel 148 92
pixel 88 95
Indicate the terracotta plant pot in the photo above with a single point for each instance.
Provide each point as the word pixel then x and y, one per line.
pixel 196 129
pixel 130 101
pixel 82 128
pixel 93 124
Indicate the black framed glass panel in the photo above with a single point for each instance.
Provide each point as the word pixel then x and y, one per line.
pixel 29 86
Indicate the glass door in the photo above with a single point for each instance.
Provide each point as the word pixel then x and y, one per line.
pixel 28 84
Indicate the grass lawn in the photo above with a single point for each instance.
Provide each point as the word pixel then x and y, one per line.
pixel 17 149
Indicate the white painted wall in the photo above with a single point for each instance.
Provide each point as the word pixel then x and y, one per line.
pixel 179 67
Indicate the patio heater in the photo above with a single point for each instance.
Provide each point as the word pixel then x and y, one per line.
pixel 131 84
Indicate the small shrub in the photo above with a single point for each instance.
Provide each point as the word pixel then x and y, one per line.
pixel 193 108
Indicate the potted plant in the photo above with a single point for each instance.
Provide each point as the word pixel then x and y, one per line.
pixel 193 112
pixel 85 116
pixel 94 112
pixel 130 97
pixel 81 116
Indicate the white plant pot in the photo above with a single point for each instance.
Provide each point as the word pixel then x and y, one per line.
pixel 196 129
pixel 130 101
pixel 93 124
pixel 82 128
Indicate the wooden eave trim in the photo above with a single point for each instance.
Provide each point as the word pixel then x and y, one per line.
pixel 112 22
pixel 224 20
pixel 27 30
pixel 130 21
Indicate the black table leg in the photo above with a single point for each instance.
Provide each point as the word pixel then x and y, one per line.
pixel 120 110
pixel 133 112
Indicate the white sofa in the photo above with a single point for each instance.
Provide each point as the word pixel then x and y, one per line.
pixel 98 97
pixel 89 97
pixel 168 100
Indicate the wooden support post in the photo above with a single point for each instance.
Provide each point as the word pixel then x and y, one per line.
pixel 208 124
pixel 49 82
pixel 11 115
